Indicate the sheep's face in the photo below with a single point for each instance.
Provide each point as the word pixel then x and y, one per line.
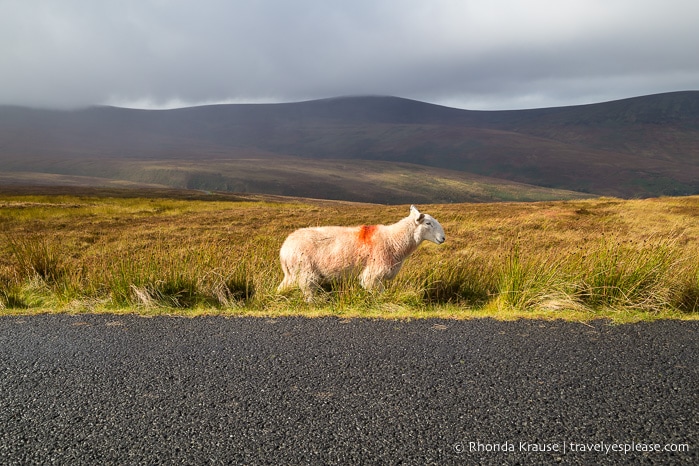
pixel 428 228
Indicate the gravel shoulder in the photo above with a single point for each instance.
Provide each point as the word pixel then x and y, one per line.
pixel 109 389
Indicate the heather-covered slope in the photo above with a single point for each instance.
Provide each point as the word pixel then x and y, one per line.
pixel 645 146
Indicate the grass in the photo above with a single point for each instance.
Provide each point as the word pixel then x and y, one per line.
pixel 586 259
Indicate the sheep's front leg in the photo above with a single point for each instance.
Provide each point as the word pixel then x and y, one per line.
pixel 371 280
pixel 391 273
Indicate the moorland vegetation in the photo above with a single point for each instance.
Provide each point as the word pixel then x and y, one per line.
pixel 195 254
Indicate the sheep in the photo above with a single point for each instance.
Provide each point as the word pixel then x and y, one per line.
pixel 311 257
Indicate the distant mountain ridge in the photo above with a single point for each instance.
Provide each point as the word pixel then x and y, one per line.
pixel 637 147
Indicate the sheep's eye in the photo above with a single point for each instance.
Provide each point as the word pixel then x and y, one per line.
pixel 428 223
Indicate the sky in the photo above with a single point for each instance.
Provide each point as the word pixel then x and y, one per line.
pixel 474 54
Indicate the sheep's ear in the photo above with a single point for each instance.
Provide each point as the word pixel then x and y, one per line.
pixel 416 214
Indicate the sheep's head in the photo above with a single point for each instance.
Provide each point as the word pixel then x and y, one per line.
pixel 427 227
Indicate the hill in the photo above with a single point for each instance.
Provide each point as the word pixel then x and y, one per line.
pixel 369 148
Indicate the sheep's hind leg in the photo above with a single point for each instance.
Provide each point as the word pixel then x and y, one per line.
pixel 309 284
pixel 285 285
pixel 288 280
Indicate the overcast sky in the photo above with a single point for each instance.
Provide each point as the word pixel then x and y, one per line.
pixel 476 54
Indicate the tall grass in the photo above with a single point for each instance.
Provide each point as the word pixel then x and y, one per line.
pixel 191 257
pixel 531 283
pixel 468 280
pixel 621 275
pixel 169 275
pixel 11 296
pixel 687 296
pixel 37 258
pixel 615 275
pixel 159 275
pixel 177 276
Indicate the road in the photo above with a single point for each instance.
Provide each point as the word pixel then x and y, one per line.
pixel 108 389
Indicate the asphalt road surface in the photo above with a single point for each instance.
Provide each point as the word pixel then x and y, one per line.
pixel 105 389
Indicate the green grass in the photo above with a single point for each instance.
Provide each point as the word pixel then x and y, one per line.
pixel 624 260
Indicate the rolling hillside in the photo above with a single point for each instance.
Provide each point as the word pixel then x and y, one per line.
pixel 379 149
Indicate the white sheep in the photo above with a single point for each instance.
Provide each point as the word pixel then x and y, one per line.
pixel 311 257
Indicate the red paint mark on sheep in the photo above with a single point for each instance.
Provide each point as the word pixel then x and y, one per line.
pixel 366 232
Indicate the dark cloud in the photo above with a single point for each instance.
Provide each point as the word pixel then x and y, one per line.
pixel 473 54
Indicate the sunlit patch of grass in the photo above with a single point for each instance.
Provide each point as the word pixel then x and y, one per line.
pixel 468 281
pixel 37 257
pixel 178 276
pixel 686 298
pixel 532 283
pixel 11 296
pixel 621 275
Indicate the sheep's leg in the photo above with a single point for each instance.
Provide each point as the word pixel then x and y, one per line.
pixel 308 293
pixel 370 280
pixel 391 273
pixel 308 284
pixel 289 279
pixel 286 283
